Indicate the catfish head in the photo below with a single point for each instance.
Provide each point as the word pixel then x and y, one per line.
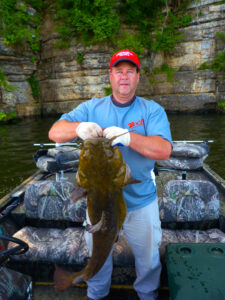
pixel 101 166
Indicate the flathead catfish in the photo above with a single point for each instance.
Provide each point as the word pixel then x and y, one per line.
pixel 102 173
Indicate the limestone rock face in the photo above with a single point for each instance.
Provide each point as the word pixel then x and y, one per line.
pixel 65 81
pixel 17 68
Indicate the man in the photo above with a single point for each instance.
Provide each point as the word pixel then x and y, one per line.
pixel 148 139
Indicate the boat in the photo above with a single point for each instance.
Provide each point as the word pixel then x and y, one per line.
pixel 38 213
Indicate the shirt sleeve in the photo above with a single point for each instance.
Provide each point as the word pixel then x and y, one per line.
pixel 158 123
pixel 78 114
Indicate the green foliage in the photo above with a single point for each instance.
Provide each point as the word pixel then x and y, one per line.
pixel 91 20
pixel 38 5
pixel 132 42
pixel 4 83
pixel 18 25
pixel 108 90
pixel 62 44
pixel 221 105
pixel 4 117
pixel 80 58
pixel 166 39
pixel 157 31
pixel 221 35
pixel 34 87
pixel 165 69
pixel 95 21
pixel 218 64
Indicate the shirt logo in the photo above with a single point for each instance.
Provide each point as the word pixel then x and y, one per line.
pixel 135 124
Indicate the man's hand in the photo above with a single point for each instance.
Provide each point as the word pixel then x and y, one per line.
pixel 88 130
pixel 123 135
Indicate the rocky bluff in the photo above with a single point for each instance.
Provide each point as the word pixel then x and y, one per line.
pixel 64 82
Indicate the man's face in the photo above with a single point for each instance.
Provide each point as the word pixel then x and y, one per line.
pixel 124 80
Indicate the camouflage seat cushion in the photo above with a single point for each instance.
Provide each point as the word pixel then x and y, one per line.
pixel 55 159
pixel 182 163
pixel 189 200
pixel 69 247
pixel 13 285
pixel 50 200
pixel 186 156
pixel 190 150
pixel 65 246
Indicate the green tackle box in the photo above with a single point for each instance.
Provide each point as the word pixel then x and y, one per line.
pixel 196 271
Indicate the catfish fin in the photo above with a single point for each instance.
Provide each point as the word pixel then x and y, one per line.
pixel 98 226
pixel 132 181
pixel 63 279
pixel 128 179
pixel 77 194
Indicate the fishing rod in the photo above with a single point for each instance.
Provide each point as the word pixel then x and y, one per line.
pixel 76 144
pixel 55 144
pixel 205 141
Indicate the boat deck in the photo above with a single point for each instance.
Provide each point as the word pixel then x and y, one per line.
pixel 45 290
pixel 77 293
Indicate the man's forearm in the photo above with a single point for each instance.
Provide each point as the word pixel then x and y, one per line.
pixel 63 131
pixel 153 147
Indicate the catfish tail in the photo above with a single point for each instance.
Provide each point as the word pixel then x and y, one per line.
pixel 64 279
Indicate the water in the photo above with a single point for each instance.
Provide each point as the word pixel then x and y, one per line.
pixel 16 144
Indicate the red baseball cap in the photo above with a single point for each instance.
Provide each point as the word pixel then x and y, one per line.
pixel 124 55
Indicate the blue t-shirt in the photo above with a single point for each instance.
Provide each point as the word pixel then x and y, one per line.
pixel 142 116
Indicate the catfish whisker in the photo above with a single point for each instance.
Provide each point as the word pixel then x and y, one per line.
pixel 114 137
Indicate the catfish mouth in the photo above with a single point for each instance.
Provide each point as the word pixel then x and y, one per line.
pixel 98 140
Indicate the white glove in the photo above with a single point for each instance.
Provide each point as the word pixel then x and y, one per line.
pixel 88 130
pixel 123 135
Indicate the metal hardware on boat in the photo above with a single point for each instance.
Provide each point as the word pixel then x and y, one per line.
pixel 54 144
pixel 16 201
pixel 60 176
pixel 205 141
pixel 17 194
pixel 184 174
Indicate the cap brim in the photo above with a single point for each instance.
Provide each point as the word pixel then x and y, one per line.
pixel 124 59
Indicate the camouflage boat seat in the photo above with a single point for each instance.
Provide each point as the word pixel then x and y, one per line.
pixel 190 211
pixel 183 203
pixel 189 200
pixel 50 201
pixel 67 248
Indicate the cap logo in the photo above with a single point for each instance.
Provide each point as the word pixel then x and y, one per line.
pixel 125 53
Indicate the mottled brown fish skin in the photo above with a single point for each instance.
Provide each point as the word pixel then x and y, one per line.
pixel 102 173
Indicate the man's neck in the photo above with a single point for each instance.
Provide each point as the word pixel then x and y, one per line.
pixel 124 103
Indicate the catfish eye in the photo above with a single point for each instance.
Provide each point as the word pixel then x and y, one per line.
pixel 109 152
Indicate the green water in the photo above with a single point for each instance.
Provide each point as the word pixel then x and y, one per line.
pixel 16 144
